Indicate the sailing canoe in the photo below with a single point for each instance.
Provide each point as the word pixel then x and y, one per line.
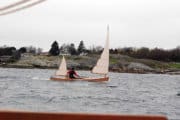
pixel 90 79
pixel 101 67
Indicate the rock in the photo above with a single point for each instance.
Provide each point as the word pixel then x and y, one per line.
pixel 72 64
pixel 139 66
pixel 38 62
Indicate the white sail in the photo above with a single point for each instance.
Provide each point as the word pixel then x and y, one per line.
pixel 62 68
pixel 102 65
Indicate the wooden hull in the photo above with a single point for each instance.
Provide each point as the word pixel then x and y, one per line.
pixel 19 115
pixel 58 78
pixel 96 79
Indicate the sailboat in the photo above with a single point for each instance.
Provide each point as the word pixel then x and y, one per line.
pixel 101 67
pixel 61 73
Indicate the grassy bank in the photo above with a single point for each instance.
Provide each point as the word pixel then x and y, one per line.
pixel 118 63
pixel 174 65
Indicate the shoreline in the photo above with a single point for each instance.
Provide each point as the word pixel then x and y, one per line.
pixel 117 63
pixel 169 72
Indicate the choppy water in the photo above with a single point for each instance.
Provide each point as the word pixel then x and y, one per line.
pixel 31 89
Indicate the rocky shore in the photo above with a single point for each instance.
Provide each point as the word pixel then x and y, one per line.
pixel 118 63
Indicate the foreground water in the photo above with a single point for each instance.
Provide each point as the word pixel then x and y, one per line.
pixel 31 89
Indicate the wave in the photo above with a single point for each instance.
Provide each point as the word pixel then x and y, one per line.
pixel 38 78
pixel 8 77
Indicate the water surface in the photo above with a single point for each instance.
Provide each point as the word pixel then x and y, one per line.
pixel 31 89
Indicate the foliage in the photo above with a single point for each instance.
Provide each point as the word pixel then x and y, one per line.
pixel 23 50
pixel 54 49
pixel 72 49
pixel 146 53
pixel 64 49
pixel 7 51
pixel 95 50
pixel 113 60
pixel 81 47
pixel 175 65
pixel 31 49
pixel 68 49
pixel 9 54
pixel 16 55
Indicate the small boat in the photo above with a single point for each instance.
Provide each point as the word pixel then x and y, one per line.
pixel 101 68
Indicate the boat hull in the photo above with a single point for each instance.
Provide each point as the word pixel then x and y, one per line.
pixel 24 115
pixel 100 79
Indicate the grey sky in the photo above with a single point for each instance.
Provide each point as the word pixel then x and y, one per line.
pixel 136 23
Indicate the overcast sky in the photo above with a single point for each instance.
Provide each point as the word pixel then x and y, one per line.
pixel 135 23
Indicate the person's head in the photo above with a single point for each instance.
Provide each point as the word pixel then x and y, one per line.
pixel 72 68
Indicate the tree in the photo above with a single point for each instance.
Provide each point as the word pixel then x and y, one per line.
pixel 39 50
pixel 23 50
pixel 127 50
pixel 175 54
pixel 54 49
pixel 64 49
pixel 81 47
pixel 7 51
pixel 16 55
pixel 143 52
pixel 31 49
pixel 72 49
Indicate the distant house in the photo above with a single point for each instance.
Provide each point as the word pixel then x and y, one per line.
pixel 83 54
pixel 64 52
pixel 44 53
pixel 26 54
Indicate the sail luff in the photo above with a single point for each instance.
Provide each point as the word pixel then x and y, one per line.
pixel 62 68
pixel 102 66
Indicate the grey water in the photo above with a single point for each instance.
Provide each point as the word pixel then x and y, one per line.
pixel 31 89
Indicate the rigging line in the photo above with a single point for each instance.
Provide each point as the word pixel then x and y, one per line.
pixel 13 5
pixel 21 8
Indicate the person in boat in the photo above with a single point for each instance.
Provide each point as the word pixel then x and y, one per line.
pixel 72 74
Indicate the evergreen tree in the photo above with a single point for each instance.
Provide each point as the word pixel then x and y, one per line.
pixel 54 49
pixel 23 50
pixel 81 47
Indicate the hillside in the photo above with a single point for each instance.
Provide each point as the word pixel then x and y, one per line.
pixel 118 63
